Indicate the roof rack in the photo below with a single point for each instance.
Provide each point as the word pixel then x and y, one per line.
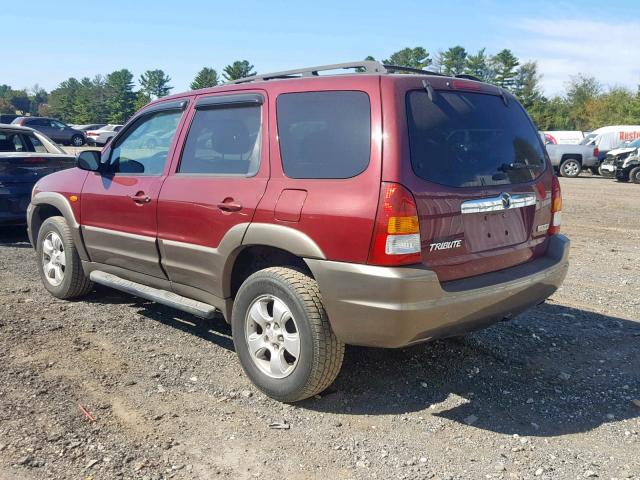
pixel 363 66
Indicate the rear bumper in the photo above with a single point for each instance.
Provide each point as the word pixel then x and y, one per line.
pixel 395 307
pixel 13 204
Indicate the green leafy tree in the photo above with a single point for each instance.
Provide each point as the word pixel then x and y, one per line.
pixel 155 83
pixel 90 103
pixel 142 98
pixel 478 65
pixel 527 85
pixel 504 65
pixel 417 57
pixel 453 60
pixel 62 99
pixel 237 70
pixel 581 91
pixel 207 77
pixel 4 90
pixel 120 96
pixel 368 58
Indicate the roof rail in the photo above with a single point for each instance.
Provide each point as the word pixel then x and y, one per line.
pixel 365 66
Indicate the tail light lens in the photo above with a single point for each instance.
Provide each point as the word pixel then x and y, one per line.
pixel 556 207
pixel 396 236
pixel 596 152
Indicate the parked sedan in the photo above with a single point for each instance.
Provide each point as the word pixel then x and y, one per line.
pixel 88 126
pixel 54 129
pixel 25 157
pixel 103 135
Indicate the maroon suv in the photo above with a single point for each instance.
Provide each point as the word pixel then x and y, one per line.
pixel 314 211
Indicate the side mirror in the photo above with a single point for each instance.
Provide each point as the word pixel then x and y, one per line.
pixel 88 160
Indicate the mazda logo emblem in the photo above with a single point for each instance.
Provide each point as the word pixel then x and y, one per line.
pixel 506 200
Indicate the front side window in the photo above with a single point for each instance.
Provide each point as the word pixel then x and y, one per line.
pixel 324 134
pixel 462 139
pixel 223 141
pixel 144 149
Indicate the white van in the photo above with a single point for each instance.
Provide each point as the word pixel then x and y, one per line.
pixel 564 137
pixel 608 138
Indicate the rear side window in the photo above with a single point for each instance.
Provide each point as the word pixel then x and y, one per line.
pixel 223 141
pixel 324 134
pixel 462 139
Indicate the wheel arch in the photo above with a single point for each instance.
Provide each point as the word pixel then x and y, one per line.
pixel 50 204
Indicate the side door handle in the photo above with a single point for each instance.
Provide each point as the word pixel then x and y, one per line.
pixel 229 205
pixel 140 198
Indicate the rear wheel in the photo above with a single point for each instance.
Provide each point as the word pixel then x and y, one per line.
pixel 58 261
pixel 634 175
pixel 77 140
pixel 282 335
pixel 570 168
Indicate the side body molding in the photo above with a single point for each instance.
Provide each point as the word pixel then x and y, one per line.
pixel 60 202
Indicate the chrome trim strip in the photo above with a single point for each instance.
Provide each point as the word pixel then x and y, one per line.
pixel 502 202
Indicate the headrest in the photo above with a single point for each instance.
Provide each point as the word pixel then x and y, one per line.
pixel 231 136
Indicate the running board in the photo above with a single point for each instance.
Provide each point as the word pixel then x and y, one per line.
pixel 164 297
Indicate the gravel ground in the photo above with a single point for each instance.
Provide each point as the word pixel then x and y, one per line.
pixel 548 395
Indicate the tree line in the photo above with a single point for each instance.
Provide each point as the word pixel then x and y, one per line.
pixel 584 105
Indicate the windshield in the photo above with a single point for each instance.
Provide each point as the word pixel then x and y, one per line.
pixel 588 140
pixel 463 139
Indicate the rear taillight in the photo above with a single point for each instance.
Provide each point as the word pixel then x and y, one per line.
pixel 596 152
pixel 556 207
pixel 396 236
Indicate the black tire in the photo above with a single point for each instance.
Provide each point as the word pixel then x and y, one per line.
pixel 77 140
pixel 634 175
pixel 74 282
pixel 570 168
pixel 595 171
pixel 320 353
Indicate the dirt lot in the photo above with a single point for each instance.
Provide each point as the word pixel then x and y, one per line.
pixel 548 395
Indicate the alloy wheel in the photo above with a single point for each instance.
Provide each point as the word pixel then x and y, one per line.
pixel 272 336
pixel 53 258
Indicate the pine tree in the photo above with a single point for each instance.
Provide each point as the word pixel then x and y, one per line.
pixel 155 83
pixel 504 64
pixel 478 65
pixel 207 77
pixel 453 60
pixel 417 57
pixel 120 95
pixel 237 70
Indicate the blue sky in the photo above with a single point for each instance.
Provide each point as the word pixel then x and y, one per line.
pixel 46 42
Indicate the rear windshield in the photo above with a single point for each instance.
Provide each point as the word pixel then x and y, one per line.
pixel 462 139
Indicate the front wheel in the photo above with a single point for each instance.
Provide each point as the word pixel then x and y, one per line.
pixel 282 335
pixel 570 168
pixel 77 140
pixel 634 175
pixel 58 261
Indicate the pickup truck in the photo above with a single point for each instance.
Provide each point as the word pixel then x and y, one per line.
pixel 570 160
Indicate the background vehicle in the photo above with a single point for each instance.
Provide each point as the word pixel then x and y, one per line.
pixel 611 137
pixel 272 200
pixel 564 137
pixel 608 166
pixel 102 135
pixel 570 160
pixel 628 168
pixel 88 126
pixel 25 157
pixel 7 117
pixel 53 129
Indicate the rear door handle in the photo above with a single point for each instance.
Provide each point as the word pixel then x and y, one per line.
pixel 140 197
pixel 230 206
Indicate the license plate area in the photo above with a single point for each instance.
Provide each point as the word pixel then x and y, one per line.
pixel 488 231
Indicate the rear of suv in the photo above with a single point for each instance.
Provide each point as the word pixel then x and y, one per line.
pixel 314 211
